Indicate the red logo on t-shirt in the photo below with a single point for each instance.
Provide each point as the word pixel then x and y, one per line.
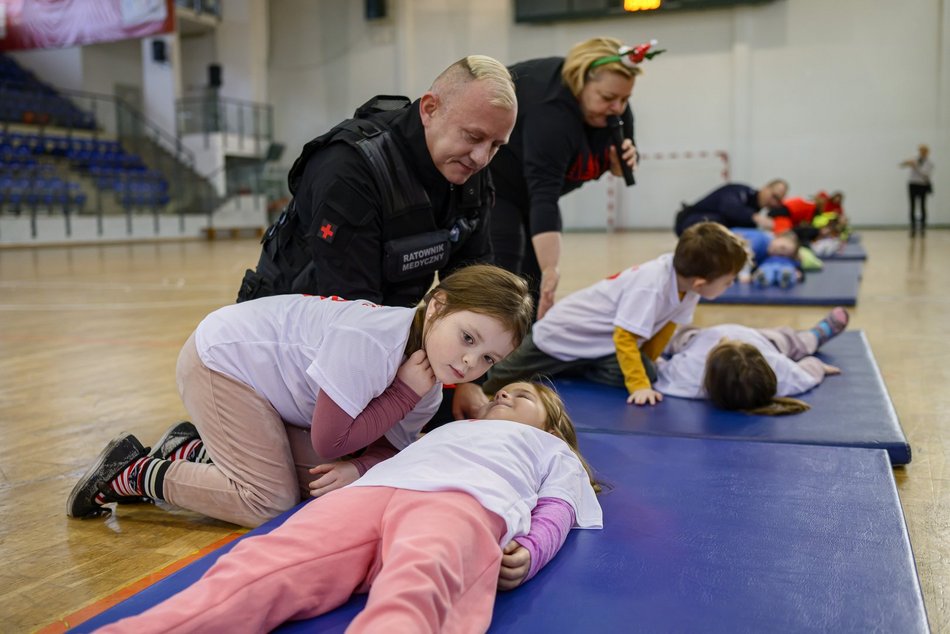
pixel 617 274
pixel 587 167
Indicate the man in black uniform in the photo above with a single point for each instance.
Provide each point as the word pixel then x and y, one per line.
pixel 386 200
pixel 734 205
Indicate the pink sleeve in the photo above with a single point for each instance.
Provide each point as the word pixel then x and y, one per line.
pixel 333 433
pixel 551 521
pixel 380 450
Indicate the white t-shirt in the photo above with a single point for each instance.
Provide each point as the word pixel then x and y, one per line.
pixel 641 300
pixel 506 466
pixel 288 347
pixel 682 374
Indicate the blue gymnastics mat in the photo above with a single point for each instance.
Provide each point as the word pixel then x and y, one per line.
pixel 701 536
pixel 852 409
pixel 835 285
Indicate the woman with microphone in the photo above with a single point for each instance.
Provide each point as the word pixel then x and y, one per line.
pixel 570 109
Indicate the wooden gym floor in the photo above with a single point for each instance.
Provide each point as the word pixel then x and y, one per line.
pixel 88 347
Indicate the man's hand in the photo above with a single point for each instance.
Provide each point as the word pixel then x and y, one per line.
pixel 763 222
pixel 644 396
pixel 417 373
pixel 468 401
pixel 515 563
pixel 830 369
pixel 332 476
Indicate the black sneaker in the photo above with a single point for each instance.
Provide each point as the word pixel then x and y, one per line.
pixel 173 438
pixel 116 456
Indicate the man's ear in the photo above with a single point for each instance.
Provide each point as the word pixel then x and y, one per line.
pixel 428 104
pixel 697 283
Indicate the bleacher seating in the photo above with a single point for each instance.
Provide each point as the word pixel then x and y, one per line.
pixel 28 176
pixel 26 99
pixel 33 163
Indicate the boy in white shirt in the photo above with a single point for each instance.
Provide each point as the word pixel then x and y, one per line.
pixel 612 331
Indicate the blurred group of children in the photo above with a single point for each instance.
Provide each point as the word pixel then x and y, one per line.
pixel 804 230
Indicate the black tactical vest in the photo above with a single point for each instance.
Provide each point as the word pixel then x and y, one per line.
pixel 414 244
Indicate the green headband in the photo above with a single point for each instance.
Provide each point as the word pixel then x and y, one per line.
pixel 630 57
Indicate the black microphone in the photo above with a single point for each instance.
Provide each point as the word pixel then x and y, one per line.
pixel 616 135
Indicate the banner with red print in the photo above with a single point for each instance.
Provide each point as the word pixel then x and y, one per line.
pixel 26 24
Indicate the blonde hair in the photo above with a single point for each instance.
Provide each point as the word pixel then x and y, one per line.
pixel 709 250
pixel 558 423
pixel 739 378
pixel 477 68
pixel 479 288
pixel 577 71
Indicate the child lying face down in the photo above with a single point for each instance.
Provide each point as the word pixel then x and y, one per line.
pixel 749 369
pixel 421 532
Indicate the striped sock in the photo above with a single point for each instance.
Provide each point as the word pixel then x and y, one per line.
pixel 143 477
pixel 192 451
pixel 833 324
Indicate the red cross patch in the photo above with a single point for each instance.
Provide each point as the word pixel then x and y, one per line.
pixel 327 231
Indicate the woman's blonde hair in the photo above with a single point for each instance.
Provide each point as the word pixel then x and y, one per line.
pixel 477 68
pixel 577 71
pixel 479 288
pixel 739 378
pixel 560 424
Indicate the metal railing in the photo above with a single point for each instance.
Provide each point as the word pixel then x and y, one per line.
pixel 250 122
pixel 84 118
pixel 209 7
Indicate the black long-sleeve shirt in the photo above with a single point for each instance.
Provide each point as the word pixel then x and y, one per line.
pixel 552 151
pixel 732 205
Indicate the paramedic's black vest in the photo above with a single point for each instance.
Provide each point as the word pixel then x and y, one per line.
pixel 414 244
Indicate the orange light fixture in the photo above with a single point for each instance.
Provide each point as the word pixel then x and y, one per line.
pixel 641 5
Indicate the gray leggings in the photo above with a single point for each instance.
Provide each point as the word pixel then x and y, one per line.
pixel 792 343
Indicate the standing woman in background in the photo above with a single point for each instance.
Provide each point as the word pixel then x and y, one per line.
pixel 918 186
pixel 561 140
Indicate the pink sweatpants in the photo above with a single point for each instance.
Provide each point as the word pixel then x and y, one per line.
pixel 260 462
pixel 430 561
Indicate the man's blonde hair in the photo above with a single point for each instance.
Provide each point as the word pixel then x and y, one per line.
pixel 576 70
pixel 477 68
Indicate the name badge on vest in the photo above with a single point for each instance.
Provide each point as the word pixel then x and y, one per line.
pixel 412 256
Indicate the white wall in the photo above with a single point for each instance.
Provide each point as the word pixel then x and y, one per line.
pixel 197 52
pixel 241 40
pixel 60 67
pixel 107 64
pixel 830 95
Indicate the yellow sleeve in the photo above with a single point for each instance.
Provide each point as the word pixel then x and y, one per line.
pixel 654 347
pixel 628 355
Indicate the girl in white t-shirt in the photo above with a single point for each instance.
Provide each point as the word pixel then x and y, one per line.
pixel 749 369
pixel 422 532
pixel 279 384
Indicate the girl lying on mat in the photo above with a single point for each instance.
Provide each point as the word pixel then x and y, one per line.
pixel 749 369
pixel 424 532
